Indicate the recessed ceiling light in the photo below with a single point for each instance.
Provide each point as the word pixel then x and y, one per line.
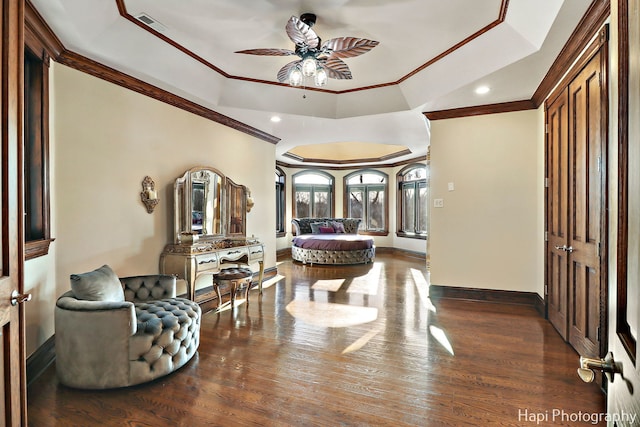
pixel 275 119
pixel 481 90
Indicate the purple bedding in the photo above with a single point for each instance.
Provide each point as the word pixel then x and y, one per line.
pixel 333 241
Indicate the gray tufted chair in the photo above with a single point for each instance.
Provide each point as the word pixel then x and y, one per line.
pixel 108 344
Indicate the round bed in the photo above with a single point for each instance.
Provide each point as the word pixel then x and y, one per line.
pixel 331 241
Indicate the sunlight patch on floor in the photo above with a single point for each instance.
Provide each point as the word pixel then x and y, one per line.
pixel 327 285
pixel 271 282
pixel 331 315
pixel 367 284
pixel 422 285
pixel 360 342
pixel 441 337
pixel 226 306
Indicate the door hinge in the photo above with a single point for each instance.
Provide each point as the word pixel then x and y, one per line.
pixel 546 182
pixel 599 163
pixel 546 128
pixel 598 250
pixel 546 236
pixel 598 333
pixel 546 289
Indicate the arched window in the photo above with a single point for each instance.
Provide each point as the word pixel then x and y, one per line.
pixel 280 198
pixel 413 199
pixel 366 198
pixel 313 194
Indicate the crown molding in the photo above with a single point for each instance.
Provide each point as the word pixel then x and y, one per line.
pixel 590 25
pixel 38 28
pixel 89 66
pixel 479 110
pixel 56 50
pixel 349 161
pixel 332 167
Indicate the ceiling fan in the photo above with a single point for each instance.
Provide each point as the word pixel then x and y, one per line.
pixel 320 61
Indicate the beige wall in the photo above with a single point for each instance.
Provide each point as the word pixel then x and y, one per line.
pixel 490 232
pixel 104 140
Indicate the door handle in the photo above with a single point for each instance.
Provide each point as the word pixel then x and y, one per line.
pixel 18 298
pixel 607 365
pixel 569 249
pixel 565 248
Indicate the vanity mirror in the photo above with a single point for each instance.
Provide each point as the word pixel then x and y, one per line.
pixel 237 208
pixel 198 209
pixel 210 213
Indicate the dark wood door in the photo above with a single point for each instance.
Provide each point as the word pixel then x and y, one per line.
pixel 557 218
pixel 623 393
pixel 13 391
pixel 575 214
pixel 586 138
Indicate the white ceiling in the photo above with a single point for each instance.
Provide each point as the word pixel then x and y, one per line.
pixel 432 55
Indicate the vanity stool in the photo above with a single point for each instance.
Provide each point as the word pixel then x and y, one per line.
pixel 235 278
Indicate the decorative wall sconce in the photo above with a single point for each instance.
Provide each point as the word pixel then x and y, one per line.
pixel 149 196
pixel 250 202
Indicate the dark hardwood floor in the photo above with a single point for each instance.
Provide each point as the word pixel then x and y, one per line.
pixel 375 352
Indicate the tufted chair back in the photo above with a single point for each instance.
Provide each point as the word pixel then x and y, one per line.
pixel 151 287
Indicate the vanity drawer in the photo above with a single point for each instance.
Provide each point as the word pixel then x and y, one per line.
pixel 256 253
pixel 233 254
pixel 207 262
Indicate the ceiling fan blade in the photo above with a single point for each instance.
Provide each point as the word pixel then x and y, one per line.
pixel 336 69
pixel 268 52
pixel 301 34
pixel 283 74
pixel 347 47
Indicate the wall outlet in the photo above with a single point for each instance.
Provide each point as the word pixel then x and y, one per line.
pixel 438 203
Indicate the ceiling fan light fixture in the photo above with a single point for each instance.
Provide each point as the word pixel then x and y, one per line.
pixel 295 77
pixel 316 57
pixel 309 65
pixel 321 77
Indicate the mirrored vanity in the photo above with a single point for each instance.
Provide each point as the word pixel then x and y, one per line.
pixel 210 212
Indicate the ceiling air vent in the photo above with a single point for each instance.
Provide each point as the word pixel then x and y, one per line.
pixel 150 22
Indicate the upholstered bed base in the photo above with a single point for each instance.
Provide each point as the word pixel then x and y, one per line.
pixel 323 256
pixel 312 256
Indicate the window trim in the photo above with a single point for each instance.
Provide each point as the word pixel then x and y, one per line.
pixel 345 203
pixel 400 181
pixel 332 189
pixel 35 51
pixel 282 202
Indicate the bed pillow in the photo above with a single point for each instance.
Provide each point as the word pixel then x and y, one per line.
pixel 315 227
pixel 338 226
pixel 326 229
pixel 101 284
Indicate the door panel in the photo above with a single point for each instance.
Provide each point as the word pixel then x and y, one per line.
pixel 585 305
pixel 623 395
pixel 557 220
pixel 11 260
pixel 585 199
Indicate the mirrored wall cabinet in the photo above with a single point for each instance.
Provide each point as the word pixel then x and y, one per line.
pixel 210 212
